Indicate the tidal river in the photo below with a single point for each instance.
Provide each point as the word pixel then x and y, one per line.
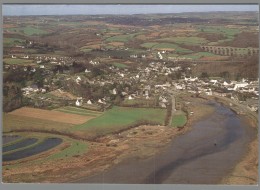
pixel 203 155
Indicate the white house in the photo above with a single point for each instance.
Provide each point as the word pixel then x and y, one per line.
pixel 130 98
pixel 89 102
pixel 13 56
pixel 213 81
pixel 79 101
pixel 240 85
pixel 114 91
pixel 78 80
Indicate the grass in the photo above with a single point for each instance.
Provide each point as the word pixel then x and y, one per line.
pixel 199 55
pixel 28 30
pixel 120 65
pixel 122 38
pixel 17 61
pixel 149 44
pixel 79 111
pixel 179 119
pixel 75 148
pixel 12 41
pixel 172 47
pixel 185 40
pixel 119 118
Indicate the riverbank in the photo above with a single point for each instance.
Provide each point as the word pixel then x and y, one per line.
pixel 201 156
pixel 246 171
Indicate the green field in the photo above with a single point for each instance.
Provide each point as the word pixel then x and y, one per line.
pixel 199 55
pixel 33 31
pixel 172 47
pixel 28 30
pixel 119 118
pixel 185 40
pixel 75 148
pixel 12 61
pixel 79 111
pixel 120 65
pixel 12 41
pixel 179 119
pixel 149 44
pixel 122 38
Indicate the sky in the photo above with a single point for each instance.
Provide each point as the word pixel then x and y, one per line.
pixel 69 9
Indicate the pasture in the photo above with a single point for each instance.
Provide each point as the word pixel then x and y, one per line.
pixel 79 111
pixel 179 119
pixel 119 118
pixel 12 61
pixel 185 40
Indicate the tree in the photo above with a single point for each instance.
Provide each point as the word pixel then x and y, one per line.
pixel 204 75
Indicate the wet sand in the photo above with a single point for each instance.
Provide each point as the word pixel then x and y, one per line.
pixel 192 158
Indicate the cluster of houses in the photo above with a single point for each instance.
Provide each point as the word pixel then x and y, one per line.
pixel 146 77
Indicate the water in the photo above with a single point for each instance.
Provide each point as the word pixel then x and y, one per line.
pixel 44 146
pixel 20 144
pixel 201 156
pixel 8 139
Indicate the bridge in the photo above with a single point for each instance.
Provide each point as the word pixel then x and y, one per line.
pixel 230 51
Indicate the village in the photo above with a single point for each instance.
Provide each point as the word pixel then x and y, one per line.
pixel 148 83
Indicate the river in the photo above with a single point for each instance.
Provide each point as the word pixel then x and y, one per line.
pixel 204 155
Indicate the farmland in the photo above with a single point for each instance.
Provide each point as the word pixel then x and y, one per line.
pixel 50 115
pixel 119 118
pixel 85 93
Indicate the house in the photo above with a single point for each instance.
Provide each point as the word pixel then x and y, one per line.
pixel 13 56
pixel 213 81
pixel 89 102
pixel 130 97
pixel 87 71
pixel 114 91
pixel 208 92
pixel 78 80
pixel 240 85
pixel 79 101
pixel 101 102
pixel 160 55
pixel 163 105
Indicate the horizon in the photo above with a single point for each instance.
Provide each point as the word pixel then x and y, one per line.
pixel 119 9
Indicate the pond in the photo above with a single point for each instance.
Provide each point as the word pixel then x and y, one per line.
pixel 43 146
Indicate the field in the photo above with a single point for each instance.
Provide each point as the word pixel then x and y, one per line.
pixel 179 119
pixel 171 47
pixel 120 65
pixel 16 122
pixel 121 38
pixel 79 111
pixel 185 40
pixel 12 41
pixel 28 30
pixel 51 115
pixel 12 61
pixel 119 118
